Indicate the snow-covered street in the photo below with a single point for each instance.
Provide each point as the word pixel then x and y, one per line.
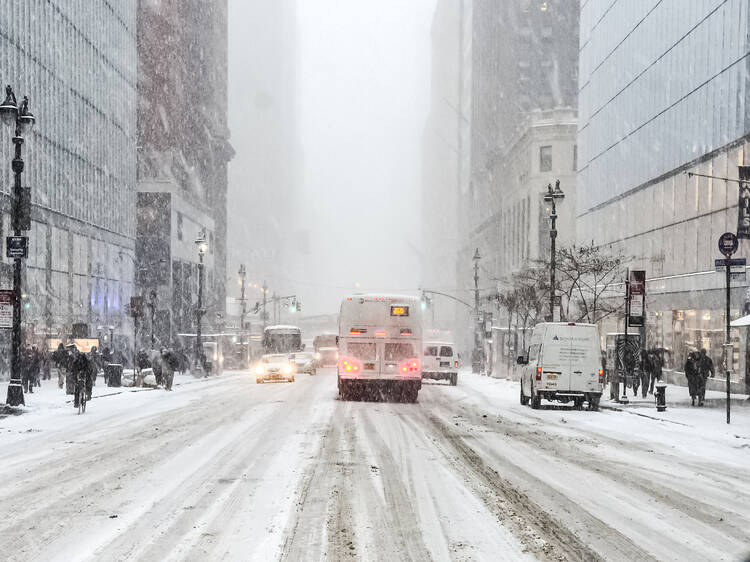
pixel 222 468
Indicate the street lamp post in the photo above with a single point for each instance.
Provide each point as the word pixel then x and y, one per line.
pixel 152 310
pixel 243 312
pixel 550 197
pixel 202 245
pixel 20 117
pixel 476 359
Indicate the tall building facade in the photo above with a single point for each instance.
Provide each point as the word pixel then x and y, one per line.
pixel 664 91
pixel 268 232
pixel 523 136
pixel 446 157
pixel 78 67
pixel 183 155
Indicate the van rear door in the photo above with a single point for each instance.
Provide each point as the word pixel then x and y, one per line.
pixel 585 359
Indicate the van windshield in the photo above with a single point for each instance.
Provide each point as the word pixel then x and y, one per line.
pixel 446 351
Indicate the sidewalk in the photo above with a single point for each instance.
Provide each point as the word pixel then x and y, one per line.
pixel 679 409
pixel 50 397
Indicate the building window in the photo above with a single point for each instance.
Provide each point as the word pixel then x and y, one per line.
pixel 179 226
pixel 575 157
pixel 545 158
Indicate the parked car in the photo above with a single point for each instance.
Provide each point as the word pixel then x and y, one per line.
pixel 562 363
pixel 439 363
pixel 274 367
pixel 327 357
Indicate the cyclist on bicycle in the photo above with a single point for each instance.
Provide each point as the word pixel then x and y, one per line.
pixel 81 372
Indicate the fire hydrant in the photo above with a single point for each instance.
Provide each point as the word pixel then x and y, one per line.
pixel 660 394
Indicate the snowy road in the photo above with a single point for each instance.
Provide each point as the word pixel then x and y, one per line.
pixel 226 469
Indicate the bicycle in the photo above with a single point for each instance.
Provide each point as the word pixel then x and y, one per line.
pixel 80 396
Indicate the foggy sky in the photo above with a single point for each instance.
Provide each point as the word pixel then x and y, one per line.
pixel 362 98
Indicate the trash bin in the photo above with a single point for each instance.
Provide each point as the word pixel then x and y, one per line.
pixel 113 374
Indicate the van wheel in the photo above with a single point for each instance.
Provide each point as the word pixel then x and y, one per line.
pixel 454 379
pixel 524 398
pixel 594 403
pixel 536 400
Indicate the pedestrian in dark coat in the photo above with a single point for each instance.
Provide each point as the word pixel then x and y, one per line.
pixel 36 366
pixel 169 363
pixel 691 373
pixel 24 364
pixel 81 371
pixel 705 370
pixel 642 377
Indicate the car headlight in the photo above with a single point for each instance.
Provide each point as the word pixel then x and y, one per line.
pixel 317 356
pixel 287 369
pixel 259 369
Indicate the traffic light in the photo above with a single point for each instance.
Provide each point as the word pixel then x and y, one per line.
pixel 293 307
pixel 299 306
pixel 25 300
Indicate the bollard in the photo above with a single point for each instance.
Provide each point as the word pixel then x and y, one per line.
pixel 660 395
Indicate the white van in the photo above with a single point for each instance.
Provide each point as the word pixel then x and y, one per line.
pixel 563 363
pixel 439 363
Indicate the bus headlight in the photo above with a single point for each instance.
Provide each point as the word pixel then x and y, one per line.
pixel 287 369
pixel 259 369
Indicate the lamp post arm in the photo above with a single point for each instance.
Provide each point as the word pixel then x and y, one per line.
pixel 466 304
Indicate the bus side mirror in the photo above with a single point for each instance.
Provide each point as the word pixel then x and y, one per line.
pixel 522 360
pixel 337 341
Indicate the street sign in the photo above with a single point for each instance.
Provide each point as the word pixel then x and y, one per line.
pixel 728 244
pixel 17 247
pixel 637 296
pixel 743 207
pixel 6 309
pixel 136 306
pixel 736 267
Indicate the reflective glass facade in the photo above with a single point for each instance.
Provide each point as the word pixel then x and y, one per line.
pixel 76 60
pixel 662 83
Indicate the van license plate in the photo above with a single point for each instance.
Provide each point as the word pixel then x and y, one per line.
pixel 551 375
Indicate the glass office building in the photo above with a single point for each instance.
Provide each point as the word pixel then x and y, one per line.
pixel 77 63
pixel 663 90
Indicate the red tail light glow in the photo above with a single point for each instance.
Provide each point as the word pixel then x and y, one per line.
pixel 455 364
pixel 410 366
pixel 349 365
pixel 381 333
pixel 601 376
pixel 538 373
pixel 405 332
pixel 357 331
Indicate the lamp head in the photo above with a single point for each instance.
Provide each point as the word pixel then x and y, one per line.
pixel 9 108
pixel 26 119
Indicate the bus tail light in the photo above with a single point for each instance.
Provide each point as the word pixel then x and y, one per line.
pixel 455 364
pixel 538 373
pixel 601 376
pixel 349 365
pixel 410 366
pixel 357 331
pixel 380 333
pixel 406 332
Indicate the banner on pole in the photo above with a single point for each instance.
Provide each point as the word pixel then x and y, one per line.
pixel 743 208
pixel 637 298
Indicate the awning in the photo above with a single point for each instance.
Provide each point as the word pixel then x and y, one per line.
pixel 744 321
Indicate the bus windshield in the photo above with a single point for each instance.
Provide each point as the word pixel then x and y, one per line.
pixel 284 340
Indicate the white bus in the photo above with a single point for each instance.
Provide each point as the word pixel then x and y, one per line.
pixel 380 347
pixel 282 339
